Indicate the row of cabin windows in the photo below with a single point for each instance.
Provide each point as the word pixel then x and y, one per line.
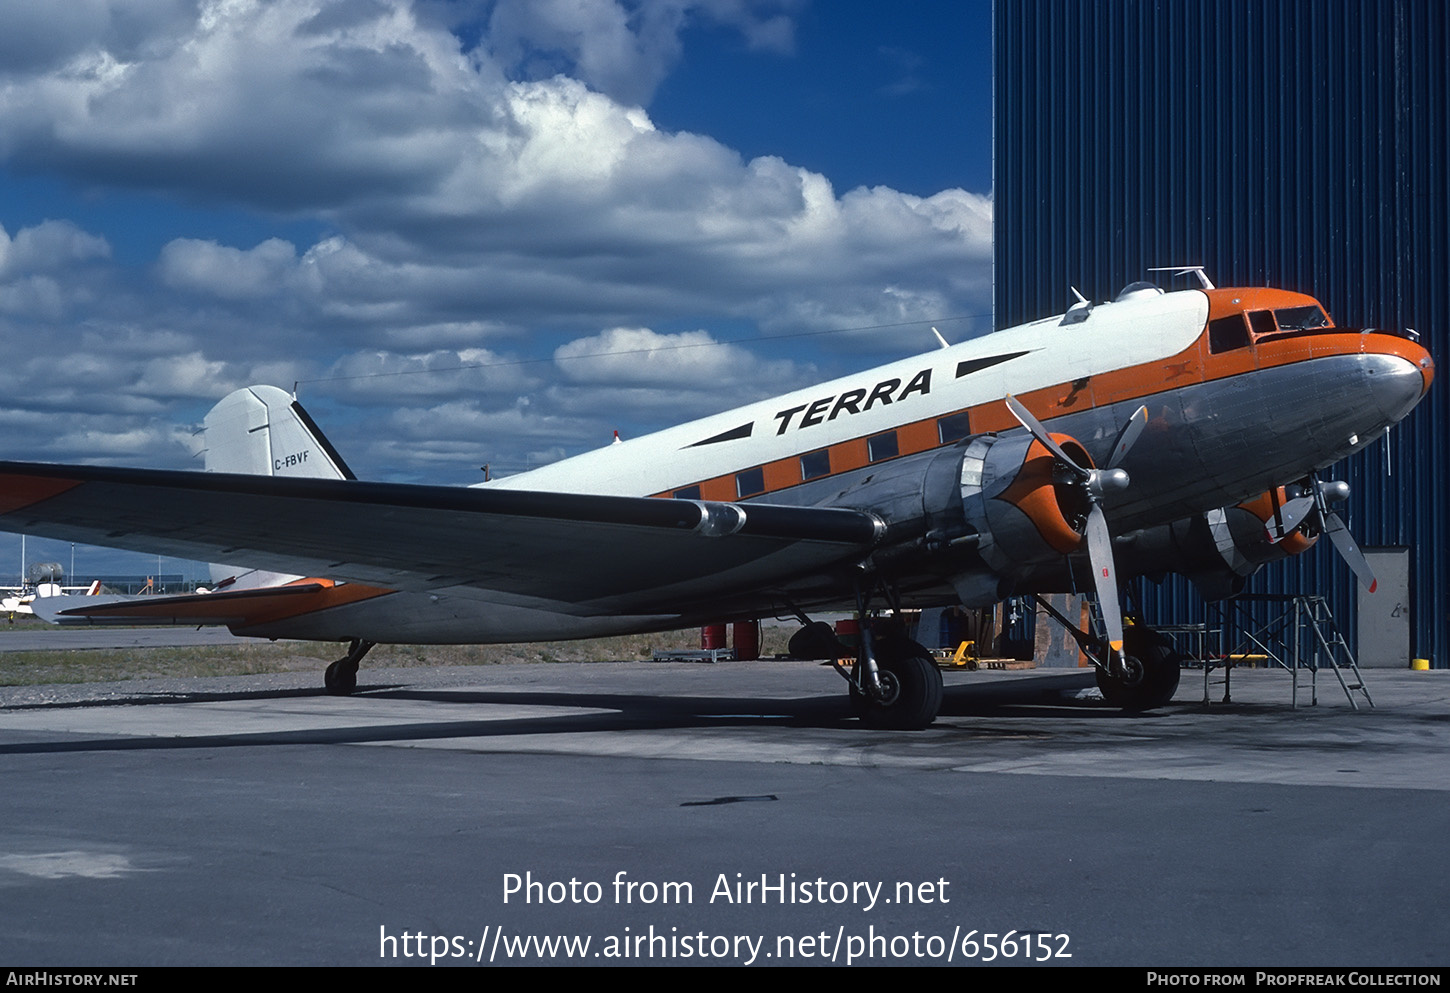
pixel 813 465
pixel 1229 333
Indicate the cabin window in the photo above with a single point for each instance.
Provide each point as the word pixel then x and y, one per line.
pixel 750 482
pixel 882 446
pixel 953 427
pixel 688 493
pixel 1227 333
pixel 814 464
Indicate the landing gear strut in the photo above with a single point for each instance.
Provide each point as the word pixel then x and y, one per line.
pixel 894 682
pixel 341 676
pixel 1142 677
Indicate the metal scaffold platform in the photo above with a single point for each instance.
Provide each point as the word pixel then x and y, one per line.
pixel 1296 632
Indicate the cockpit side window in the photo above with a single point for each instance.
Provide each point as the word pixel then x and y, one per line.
pixel 1262 322
pixel 1227 334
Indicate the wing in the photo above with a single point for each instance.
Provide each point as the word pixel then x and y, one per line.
pixel 596 552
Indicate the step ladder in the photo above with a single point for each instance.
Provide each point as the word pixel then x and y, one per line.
pixel 1328 644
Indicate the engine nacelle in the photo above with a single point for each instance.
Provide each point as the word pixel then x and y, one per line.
pixel 1218 550
pixel 999 513
pixel 992 513
pixel 1021 501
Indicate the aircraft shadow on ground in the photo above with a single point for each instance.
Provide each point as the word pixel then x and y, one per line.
pixel 607 712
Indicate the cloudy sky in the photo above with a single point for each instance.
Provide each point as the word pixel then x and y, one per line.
pixel 474 231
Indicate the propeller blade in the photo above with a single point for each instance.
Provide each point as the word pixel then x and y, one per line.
pixel 1128 436
pixel 1291 515
pixel 1348 550
pixel 1032 424
pixel 1105 576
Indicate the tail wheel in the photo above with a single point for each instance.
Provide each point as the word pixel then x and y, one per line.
pixel 341 676
pixel 911 689
pixel 1154 668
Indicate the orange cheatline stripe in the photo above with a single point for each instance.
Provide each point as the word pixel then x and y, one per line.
pixel 1194 364
pixel 19 492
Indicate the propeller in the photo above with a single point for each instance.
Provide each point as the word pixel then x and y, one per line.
pixel 1312 507
pixel 1096 483
pixel 1335 528
pixel 1287 516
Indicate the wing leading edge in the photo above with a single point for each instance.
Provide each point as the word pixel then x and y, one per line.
pixel 596 553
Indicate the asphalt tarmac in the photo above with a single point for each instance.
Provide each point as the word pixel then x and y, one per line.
pixel 639 813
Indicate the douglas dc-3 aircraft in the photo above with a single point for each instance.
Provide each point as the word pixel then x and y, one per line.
pixel 1159 432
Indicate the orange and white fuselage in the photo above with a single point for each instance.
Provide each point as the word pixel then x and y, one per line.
pixel 936 486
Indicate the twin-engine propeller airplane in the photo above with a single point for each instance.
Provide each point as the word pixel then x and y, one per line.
pixel 1160 432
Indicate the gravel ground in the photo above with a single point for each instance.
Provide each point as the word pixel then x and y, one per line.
pixel 309 680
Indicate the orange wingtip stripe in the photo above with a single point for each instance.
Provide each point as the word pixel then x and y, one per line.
pixel 19 492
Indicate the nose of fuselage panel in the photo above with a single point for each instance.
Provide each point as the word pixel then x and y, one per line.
pixel 1398 373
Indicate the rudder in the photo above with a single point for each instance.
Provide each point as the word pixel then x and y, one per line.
pixel 262 431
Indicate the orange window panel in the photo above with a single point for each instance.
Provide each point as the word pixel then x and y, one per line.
pixel 849 455
pixel 783 473
pixel 992 417
pixel 917 436
pixel 719 488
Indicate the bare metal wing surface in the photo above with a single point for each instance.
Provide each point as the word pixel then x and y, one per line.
pixel 601 552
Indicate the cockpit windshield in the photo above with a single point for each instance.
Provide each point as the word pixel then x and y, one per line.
pixel 1301 318
pixel 1239 330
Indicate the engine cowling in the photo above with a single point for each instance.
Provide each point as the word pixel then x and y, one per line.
pixel 998 514
pixel 992 512
pixel 1017 496
pixel 1219 550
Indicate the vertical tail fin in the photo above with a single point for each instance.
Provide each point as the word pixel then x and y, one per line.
pixel 262 431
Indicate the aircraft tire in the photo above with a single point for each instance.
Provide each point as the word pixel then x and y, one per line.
pixel 339 679
pixel 913 691
pixel 1161 666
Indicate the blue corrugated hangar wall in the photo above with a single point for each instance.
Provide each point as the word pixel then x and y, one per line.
pixel 1303 145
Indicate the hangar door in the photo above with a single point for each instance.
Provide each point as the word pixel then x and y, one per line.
pixel 1384 615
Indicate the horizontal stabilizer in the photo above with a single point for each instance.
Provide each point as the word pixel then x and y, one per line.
pixel 242 608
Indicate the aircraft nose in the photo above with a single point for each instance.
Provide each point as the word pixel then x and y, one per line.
pixel 1399 377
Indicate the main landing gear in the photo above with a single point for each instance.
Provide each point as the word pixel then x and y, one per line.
pixel 341 676
pixel 910 688
pixel 894 683
pixel 1143 676
pixel 1150 669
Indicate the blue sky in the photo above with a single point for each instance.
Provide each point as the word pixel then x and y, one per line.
pixel 425 212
